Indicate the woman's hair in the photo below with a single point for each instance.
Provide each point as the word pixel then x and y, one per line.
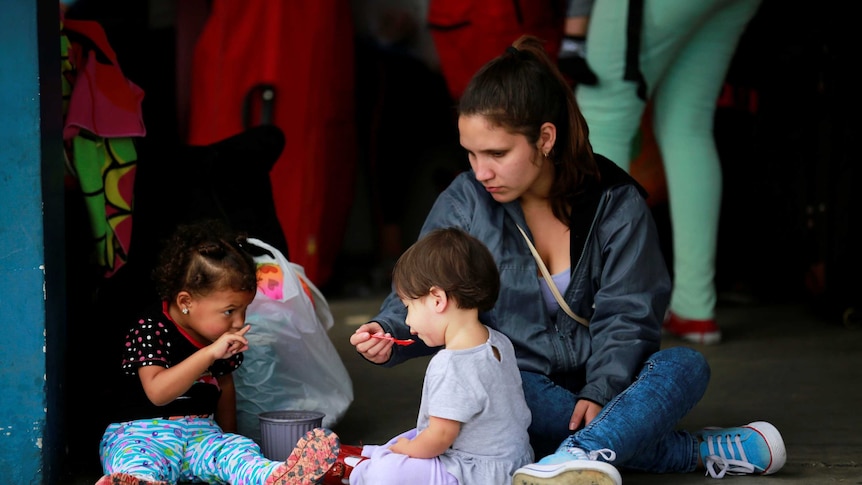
pixel 453 261
pixel 203 257
pixel 519 91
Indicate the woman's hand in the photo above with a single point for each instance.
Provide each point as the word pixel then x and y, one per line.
pixel 585 412
pixel 373 349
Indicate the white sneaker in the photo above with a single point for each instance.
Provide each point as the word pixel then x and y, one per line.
pixel 570 466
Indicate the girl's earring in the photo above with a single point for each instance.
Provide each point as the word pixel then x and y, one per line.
pixel 185 311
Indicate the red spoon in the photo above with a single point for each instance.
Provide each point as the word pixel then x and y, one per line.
pixel 397 341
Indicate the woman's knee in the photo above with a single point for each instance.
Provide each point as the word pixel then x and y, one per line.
pixel 689 361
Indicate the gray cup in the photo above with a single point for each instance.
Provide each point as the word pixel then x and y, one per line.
pixel 280 430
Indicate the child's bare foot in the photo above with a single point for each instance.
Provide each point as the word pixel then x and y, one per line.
pixel 311 459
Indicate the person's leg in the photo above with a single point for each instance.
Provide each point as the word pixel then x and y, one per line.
pixel 637 430
pixel 126 479
pixel 313 455
pixel 348 457
pixel 579 9
pixel 684 109
pixel 129 448
pixel 215 456
pixel 573 49
pixel 611 106
pixel 383 467
pixel 639 424
pixel 551 406
pixel 634 430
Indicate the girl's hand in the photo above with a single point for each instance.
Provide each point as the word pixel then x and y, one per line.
pixel 400 446
pixel 585 412
pixel 432 441
pixel 373 349
pixel 230 344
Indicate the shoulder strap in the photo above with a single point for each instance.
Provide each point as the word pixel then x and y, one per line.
pixel 633 41
pixel 565 306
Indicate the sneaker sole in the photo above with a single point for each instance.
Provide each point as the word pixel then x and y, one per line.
pixel 775 443
pixel 126 479
pixel 702 338
pixel 704 332
pixel 577 472
pixel 313 456
pixel 706 338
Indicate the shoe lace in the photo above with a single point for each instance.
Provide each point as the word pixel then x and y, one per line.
pixel 717 464
pixel 608 454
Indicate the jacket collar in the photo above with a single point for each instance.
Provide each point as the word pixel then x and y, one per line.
pixel 586 203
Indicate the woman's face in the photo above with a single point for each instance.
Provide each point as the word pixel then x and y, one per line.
pixel 506 163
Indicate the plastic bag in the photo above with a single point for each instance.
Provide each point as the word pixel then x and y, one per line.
pixel 291 363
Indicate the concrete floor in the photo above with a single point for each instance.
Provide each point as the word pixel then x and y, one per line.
pixel 778 363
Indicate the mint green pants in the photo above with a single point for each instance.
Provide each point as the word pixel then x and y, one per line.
pixel 685 50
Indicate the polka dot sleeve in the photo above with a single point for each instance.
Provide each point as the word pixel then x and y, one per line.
pixel 226 366
pixel 147 344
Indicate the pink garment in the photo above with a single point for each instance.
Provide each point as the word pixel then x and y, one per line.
pixel 103 101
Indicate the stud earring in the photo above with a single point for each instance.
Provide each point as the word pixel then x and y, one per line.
pixel 185 311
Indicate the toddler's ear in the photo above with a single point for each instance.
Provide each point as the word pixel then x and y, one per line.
pixel 439 298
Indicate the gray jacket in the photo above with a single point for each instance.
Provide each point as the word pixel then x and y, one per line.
pixel 620 283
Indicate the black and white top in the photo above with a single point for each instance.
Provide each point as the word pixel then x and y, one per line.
pixel 155 339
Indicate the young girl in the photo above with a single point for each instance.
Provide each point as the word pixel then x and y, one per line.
pixel 175 406
pixel 473 418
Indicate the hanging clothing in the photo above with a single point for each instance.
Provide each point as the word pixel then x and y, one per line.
pixel 469 33
pixel 252 65
pixel 102 116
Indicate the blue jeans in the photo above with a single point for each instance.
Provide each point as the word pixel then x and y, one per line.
pixel 638 424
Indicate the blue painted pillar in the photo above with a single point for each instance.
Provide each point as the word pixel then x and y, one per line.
pixel 32 275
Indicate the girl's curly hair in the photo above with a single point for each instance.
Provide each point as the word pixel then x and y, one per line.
pixel 203 257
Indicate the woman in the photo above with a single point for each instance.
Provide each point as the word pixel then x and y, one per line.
pixel 594 380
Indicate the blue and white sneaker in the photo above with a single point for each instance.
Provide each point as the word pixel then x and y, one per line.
pixel 753 449
pixel 570 466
